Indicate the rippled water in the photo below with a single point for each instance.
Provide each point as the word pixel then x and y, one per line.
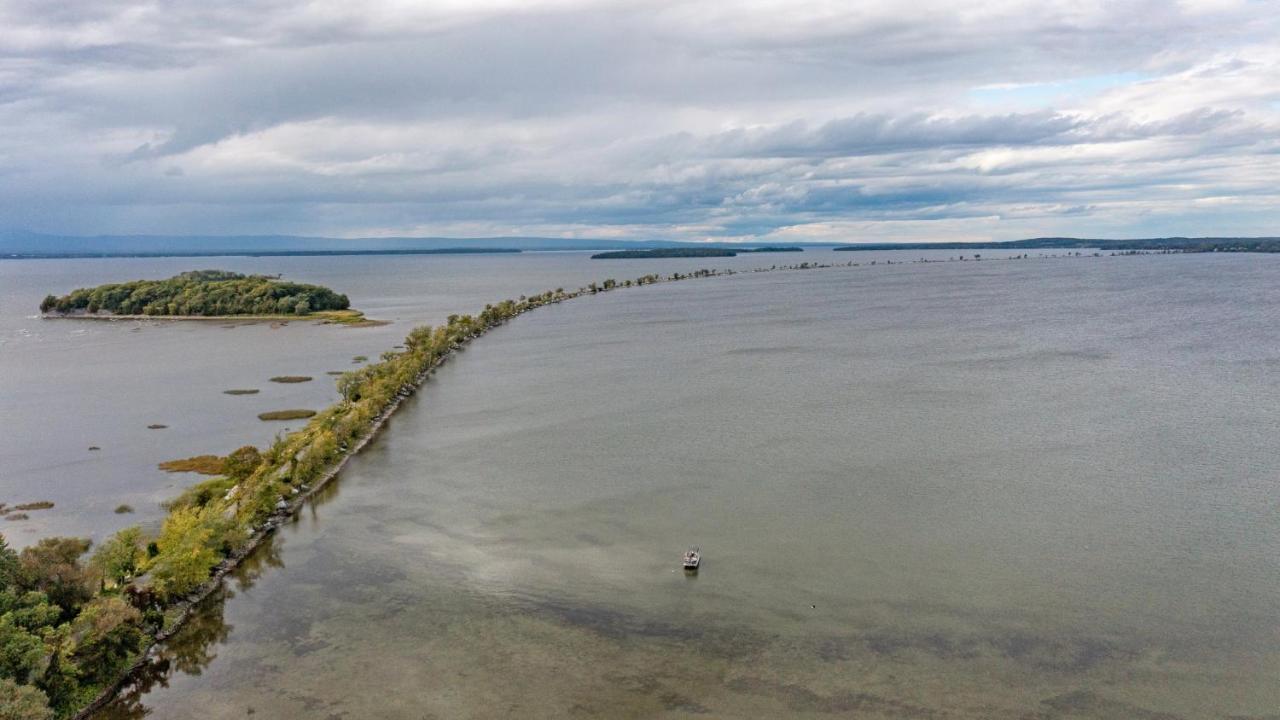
pixel 1041 489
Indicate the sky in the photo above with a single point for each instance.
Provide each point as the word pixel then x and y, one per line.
pixel 766 120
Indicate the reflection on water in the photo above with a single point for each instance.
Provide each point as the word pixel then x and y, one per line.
pixel 1025 491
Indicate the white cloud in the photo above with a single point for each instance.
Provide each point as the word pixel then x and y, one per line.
pixel 692 120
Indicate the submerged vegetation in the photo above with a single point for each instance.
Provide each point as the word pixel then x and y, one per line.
pixel 74 625
pixel 286 414
pixel 203 464
pixel 201 293
pixel 18 512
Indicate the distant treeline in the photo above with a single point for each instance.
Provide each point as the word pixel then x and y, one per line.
pixel 1176 244
pixel 684 252
pixel 200 293
pixel 262 253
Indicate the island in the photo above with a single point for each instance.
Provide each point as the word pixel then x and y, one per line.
pixel 204 294
pixel 679 252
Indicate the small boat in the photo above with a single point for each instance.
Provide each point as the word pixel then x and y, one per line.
pixel 692 558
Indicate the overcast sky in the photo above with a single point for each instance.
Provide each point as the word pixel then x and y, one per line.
pixel 768 120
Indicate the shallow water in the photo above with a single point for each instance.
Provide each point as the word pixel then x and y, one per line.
pixel 1038 489
pixel 67 385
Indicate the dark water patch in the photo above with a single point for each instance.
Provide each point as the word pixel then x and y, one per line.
pixel 801 699
pixel 715 641
pixel 1085 703
pixel 300 648
pixel 593 540
pixel 768 350
pixel 1037 358
pixel 1071 656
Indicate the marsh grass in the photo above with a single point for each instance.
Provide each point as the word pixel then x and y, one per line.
pixel 41 505
pixel 157 426
pixel 291 379
pixel 203 464
pixel 122 509
pixel 242 391
pixel 286 414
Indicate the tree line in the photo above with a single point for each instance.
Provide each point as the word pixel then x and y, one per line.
pixel 199 293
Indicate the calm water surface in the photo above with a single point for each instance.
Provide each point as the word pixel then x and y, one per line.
pixel 67 385
pixel 1041 489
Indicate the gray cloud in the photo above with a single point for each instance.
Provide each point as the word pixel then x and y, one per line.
pixel 691 120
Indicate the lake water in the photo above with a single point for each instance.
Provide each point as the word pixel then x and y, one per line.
pixel 68 385
pixel 1029 489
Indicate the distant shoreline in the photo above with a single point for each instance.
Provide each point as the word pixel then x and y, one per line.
pixel 1170 244
pixel 255 253
pixel 355 318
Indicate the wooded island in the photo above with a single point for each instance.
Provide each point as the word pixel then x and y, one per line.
pixel 198 293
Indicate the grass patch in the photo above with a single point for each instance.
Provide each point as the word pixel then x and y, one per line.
pixel 360 359
pixel 203 464
pixel 286 414
pixel 335 372
pixel 157 426
pixel 242 391
pixel 42 505
pixel 291 379
pixel 350 318
pixel 123 509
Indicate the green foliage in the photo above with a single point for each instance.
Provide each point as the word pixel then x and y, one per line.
pixel 22 651
pixel 10 568
pixel 52 567
pixel 22 702
pixel 118 559
pixel 241 463
pixel 107 633
pixel 200 293
pixel 201 494
pixel 186 552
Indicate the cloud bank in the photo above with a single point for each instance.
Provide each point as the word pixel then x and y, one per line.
pixel 682 120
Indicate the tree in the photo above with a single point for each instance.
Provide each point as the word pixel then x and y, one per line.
pixel 22 702
pixel 241 463
pixel 52 566
pixel 107 633
pixel 185 552
pixel 10 568
pixel 119 557
pixel 22 652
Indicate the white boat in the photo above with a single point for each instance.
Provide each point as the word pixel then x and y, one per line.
pixel 692 559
